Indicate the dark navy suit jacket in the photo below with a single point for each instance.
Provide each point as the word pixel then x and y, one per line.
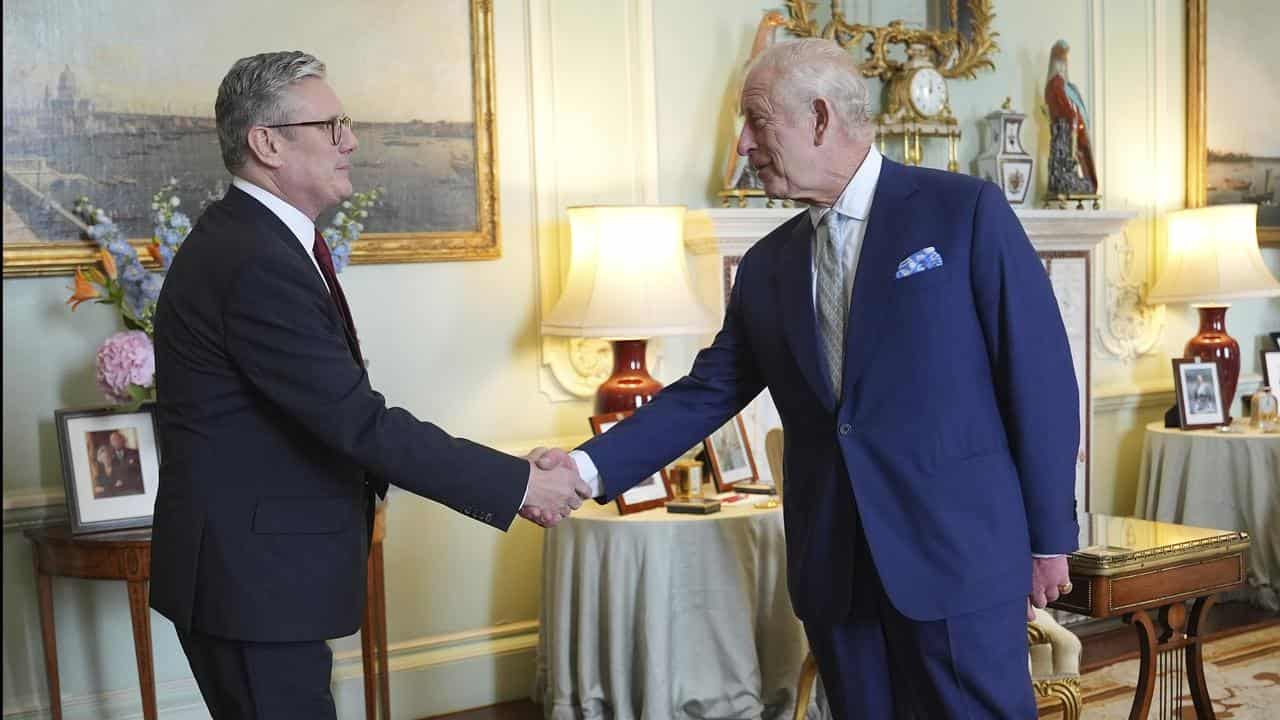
pixel 957 432
pixel 272 442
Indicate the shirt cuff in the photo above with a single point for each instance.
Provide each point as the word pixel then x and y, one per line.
pixel 588 472
pixel 1046 557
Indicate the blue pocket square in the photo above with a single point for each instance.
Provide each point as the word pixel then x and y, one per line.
pixel 920 260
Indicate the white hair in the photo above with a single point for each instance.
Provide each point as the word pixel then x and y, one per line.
pixel 253 93
pixel 800 71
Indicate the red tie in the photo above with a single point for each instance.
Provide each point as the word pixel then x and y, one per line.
pixel 325 260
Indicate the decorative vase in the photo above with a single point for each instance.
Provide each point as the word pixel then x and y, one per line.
pixel 1004 161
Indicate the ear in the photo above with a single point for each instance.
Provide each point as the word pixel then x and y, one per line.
pixel 821 120
pixel 265 147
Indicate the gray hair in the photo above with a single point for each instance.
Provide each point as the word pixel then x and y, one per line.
pixel 253 93
pixel 801 70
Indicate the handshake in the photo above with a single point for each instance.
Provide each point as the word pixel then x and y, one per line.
pixel 555 489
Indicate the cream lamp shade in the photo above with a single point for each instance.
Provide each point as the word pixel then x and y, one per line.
pixel 1213 257
pixel 627 276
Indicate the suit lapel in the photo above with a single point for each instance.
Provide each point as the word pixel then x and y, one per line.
pixel 887 228
pixel 241 201
pixel 795 288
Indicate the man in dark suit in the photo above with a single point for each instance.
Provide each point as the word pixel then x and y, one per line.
pixel 122 466
pixel 910 338
pixel 273 442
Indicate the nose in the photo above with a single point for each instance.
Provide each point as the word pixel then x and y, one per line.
pixel 746 140
pixel 349 139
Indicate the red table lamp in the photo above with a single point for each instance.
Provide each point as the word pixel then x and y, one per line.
pixel 1213 258
pixel 627 282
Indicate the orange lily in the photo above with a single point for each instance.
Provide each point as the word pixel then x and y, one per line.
pixel 154 250
pixel 83 290
pixel 108 263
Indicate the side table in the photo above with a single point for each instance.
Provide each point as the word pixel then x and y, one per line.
pixel 126 555
pixel 1228 480
pixel 120 555
pixel 1128 567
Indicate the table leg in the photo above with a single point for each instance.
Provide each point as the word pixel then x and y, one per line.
pixel 44 589
pixel 366 648
pixel 140 614
pixel 1141 622
pixel 380 631
pixel 1195 658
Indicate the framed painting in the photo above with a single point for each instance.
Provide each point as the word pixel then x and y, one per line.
pixel 96 106
pixel 1233 99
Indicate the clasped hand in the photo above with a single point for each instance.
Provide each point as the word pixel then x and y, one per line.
pixel 555 489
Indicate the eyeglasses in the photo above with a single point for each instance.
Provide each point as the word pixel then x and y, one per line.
pixel 335 126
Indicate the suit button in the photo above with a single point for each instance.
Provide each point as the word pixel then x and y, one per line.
pixel 845 428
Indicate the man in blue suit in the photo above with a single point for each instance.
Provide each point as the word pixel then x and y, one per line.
pixel 910 338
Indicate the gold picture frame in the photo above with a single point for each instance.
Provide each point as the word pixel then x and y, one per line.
pixel 1197 150
pixel 478 242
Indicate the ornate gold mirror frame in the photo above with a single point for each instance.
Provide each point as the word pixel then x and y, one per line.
pixel 1197 115
pixel 34 259
pixel 955 54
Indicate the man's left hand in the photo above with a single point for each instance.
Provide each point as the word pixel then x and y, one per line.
pixel 1049 579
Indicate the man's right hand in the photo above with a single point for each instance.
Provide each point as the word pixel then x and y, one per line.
pixel 555 490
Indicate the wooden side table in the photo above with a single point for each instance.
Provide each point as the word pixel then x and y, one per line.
pixel 1128 567
pixel 373 630
pixel 121 555
pixel 126 555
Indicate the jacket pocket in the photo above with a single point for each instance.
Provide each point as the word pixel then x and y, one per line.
pixel 921 280
pixel 302 515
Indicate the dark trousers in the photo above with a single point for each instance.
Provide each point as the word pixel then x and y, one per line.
pixel 878 663
pixel 261 681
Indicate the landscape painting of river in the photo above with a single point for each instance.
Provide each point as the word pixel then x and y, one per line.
pixel 111 99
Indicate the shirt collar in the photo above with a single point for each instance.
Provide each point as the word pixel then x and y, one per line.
pixel 292 217
pixel 855 200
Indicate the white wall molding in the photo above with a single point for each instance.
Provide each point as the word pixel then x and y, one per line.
pixel 33 508
pixel 565 175
pixel 180 699
pixel 431 651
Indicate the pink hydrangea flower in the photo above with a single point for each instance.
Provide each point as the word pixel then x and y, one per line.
pixel 126 358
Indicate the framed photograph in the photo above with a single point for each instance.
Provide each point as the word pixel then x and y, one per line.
pixel 1233 96
pixel 95 106
pixel 1199 394
pixel 729 455
pixel 651 492
pixel 1271 370
pixel 110 466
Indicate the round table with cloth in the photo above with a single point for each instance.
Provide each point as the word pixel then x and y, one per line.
pixel 661 615
pixel 1222 480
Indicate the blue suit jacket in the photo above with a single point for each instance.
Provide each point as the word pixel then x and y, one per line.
pixel 958 428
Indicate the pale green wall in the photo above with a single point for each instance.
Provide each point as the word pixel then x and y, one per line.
pixel 457 343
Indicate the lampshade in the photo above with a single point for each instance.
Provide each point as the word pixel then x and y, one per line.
pixel 627 276
pixel 1213 257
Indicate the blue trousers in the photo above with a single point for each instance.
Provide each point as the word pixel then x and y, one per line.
pixel 878 663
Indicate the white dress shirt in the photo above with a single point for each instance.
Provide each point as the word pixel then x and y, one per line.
pixel 300 225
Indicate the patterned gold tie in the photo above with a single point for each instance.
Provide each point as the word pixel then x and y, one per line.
pixel 832 310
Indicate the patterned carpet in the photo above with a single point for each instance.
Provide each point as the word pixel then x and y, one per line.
pixel 1242 672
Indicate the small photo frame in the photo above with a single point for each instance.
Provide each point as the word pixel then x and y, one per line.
pixel 1271 371
pixel 110 466
pixel 1199 394
pixel 729 454
pixel 653 491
